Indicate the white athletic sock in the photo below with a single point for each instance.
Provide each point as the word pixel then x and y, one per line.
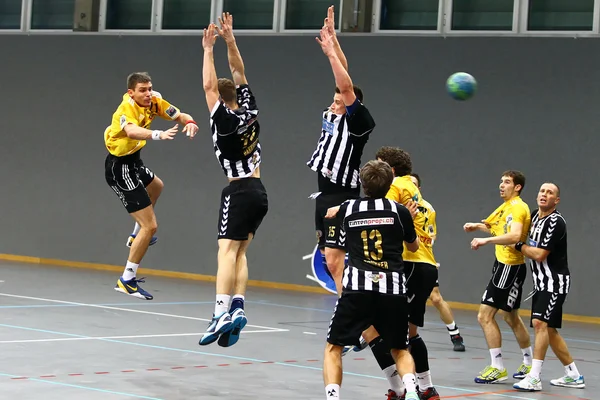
pixel 394 380
pixel 410 383
pixel 536 368
pixel 332 391
pixel 424 379
pixel 221 304
pixel 496 355
pixel 130 270
pixel 527 355
pixel 572 371
pixel 452 329
pixel 136 229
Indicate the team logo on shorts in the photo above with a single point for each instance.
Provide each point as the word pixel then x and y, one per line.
pixel 376 277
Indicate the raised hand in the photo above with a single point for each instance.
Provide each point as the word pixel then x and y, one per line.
pixel 226 30
pixel 209 36
pixel 326 41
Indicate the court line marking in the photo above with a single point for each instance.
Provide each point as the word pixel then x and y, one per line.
pixel 264 302
pixel 129 310
pixel 117 337
pixel 189 351
pixel 82 387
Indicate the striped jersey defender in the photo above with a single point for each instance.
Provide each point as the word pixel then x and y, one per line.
pixel 375 230
pixel 550 233
pixel 341 144
pixel 235 135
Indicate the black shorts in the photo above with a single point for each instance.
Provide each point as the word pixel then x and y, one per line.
pixel 355 311
pixel 548 307
pixel 505 288
pixel 328 230
pixel 244 204
pixel 420 281
pixel 128 177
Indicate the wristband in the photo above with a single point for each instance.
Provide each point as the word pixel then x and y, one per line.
pixel 519 245
pixel 156 135
pixel 191 121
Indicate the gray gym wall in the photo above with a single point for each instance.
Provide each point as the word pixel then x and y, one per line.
pixel 536 111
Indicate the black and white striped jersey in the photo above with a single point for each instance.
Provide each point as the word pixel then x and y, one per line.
pixel 341 144
pixel 374 231
pixel 235 135
pixel 550 233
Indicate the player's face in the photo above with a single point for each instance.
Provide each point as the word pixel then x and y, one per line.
pixel 547 197
pixel 142 94
pixel 337 107
pixel 507 188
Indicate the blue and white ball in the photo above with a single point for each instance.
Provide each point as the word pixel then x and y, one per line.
pixel 461 86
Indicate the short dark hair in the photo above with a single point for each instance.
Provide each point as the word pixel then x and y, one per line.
pixel 137 77
pixel 418 178
pixel 397 158
pixel 557 187
pixel 357 92
pixel 376 178
pixel 227 90
pixel 517 176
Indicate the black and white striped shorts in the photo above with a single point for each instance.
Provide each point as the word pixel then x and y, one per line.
pixel 128 177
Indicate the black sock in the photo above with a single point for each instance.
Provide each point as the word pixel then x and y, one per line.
pixel 418 350
pixel 381 352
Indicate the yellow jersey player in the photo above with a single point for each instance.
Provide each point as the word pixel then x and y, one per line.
pixel 420 272
pixel 435 296
pixel 507 225
pixel 135 184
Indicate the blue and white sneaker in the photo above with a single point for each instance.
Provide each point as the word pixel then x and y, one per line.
pixel 132 288
pixel 131 238
pixel 216 327
pixel 363 345
pixel 238 322
pixel 568 382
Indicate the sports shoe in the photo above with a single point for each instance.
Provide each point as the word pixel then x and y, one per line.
pixel 522 371
pixel 238 322
pixel 529 384
pixel 429 394
pixel 411 396
pixel 132 288
pixel 568 382
pixel 132 237
pixel 391 395
pixel 492 375
pixel 216 327
pixel 362 345
pixel 457 341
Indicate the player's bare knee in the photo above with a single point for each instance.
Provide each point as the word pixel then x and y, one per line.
pixel 511 318
pixel 335 260
pixel 333 350
pixel 436 299
pixel 485 315
pixel 539 325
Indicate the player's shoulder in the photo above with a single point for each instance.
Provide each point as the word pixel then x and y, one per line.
pixel 518 203
pixel 557 218
pixel 127 103
pixel 427 205
pixel 156 96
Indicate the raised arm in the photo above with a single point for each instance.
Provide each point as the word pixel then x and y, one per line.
pixel 342 78
pixel 209 74
pixel 330 24
pixel 236 64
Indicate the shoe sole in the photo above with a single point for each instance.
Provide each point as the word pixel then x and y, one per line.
pixel 232 336
pixel 526 390
pixel 577 386
pixel 490 382
pixel 214 336
pixel 135 294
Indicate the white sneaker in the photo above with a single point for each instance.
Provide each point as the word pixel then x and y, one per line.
pixel 567 381
pixel 529 384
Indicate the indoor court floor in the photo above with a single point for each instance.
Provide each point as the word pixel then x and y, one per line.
pixel 66 334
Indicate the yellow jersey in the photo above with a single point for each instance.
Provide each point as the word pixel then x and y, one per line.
pixel 430 222
pixel 129 112
pixel 499 223
pixel 402 191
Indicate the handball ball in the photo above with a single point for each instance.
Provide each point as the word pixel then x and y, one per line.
pixel 461 86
